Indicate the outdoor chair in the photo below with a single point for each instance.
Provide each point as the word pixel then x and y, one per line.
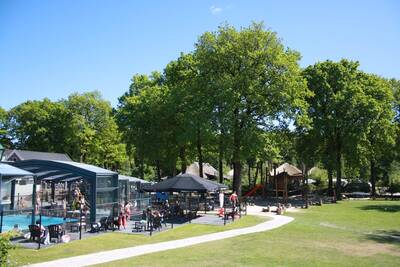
pixel 99 226
pixel 193 213
pixel 95 227
pixel 55 231
pixel 35 232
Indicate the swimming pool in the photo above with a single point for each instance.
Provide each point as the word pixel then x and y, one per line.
pixel 24 221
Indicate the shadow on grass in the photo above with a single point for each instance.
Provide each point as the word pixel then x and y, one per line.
pixel 385 236
pixel 383 208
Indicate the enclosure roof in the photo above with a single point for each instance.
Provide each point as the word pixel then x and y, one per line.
pixel 87 167
pixel 132 179
pixel 27 154
pixel 8 170
pixel 59 170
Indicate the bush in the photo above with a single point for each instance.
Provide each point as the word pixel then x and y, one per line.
pixel 5 247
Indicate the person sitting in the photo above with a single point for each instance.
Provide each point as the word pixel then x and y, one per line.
pixel 44 234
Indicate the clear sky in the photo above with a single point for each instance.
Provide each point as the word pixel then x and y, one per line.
pixel 53 48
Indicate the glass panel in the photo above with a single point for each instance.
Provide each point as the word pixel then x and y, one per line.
pixel 106 197
pixel 105 210
pixel 107 181
pixel 5 192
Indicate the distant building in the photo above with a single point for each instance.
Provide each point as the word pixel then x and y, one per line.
pixel 209 171
pixel 18 155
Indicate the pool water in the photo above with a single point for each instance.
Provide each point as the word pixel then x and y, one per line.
pixel 24 221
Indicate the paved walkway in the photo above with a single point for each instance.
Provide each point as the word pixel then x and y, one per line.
pixel 118 254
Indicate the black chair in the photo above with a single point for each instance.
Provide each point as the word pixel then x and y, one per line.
pixel 55 231
pixel 96 227
pixel 35 232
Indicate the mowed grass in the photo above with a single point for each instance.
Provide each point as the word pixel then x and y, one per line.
pixel 114 240
pixel 350 233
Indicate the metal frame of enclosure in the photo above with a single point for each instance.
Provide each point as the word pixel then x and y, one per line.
pixel 103 184
pixel 131 190
pixel 12 173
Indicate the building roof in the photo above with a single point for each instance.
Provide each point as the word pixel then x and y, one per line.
pixel 8 170
pixel 27 155
pixel 287 168
pixel 194 168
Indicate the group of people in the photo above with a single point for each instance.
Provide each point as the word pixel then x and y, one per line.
pixel 233 198
pixel 124 214
pixel 152 218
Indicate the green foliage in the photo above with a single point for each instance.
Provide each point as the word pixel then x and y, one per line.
pixel 5 247
pixel 82 126
pixel 254 81
pixel 40 125
pixel 4 134
pixel 96 138
pixel 351 116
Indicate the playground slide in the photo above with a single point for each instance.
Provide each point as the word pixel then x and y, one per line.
pixel 252 191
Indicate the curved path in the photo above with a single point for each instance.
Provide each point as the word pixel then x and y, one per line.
pixel 118 254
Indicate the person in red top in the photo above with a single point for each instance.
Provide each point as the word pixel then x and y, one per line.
pixel 233 198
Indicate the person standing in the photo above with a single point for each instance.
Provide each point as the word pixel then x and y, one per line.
pixel 221 199
pixel 233 198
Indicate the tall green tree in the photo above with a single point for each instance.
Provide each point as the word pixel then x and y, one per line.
pixel 256 80
pixel 40 125
pixel 336 89
pixel 146 118
pixel 94 136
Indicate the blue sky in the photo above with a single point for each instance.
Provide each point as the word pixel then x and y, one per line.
pixel 53 48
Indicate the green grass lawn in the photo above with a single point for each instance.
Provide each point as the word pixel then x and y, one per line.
pixel 350 233
pixel 108 241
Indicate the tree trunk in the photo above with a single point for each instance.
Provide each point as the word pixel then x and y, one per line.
pixel 237 165
pixel 158 170
pixel 220 169
pixel 330 182
pixel 338 170
pixel 237 183
pixel 256 175
pixel 373 179
pixel 182 155
pixel 249 173
pixel 141 168
pixel 220 159
pixel 199 152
